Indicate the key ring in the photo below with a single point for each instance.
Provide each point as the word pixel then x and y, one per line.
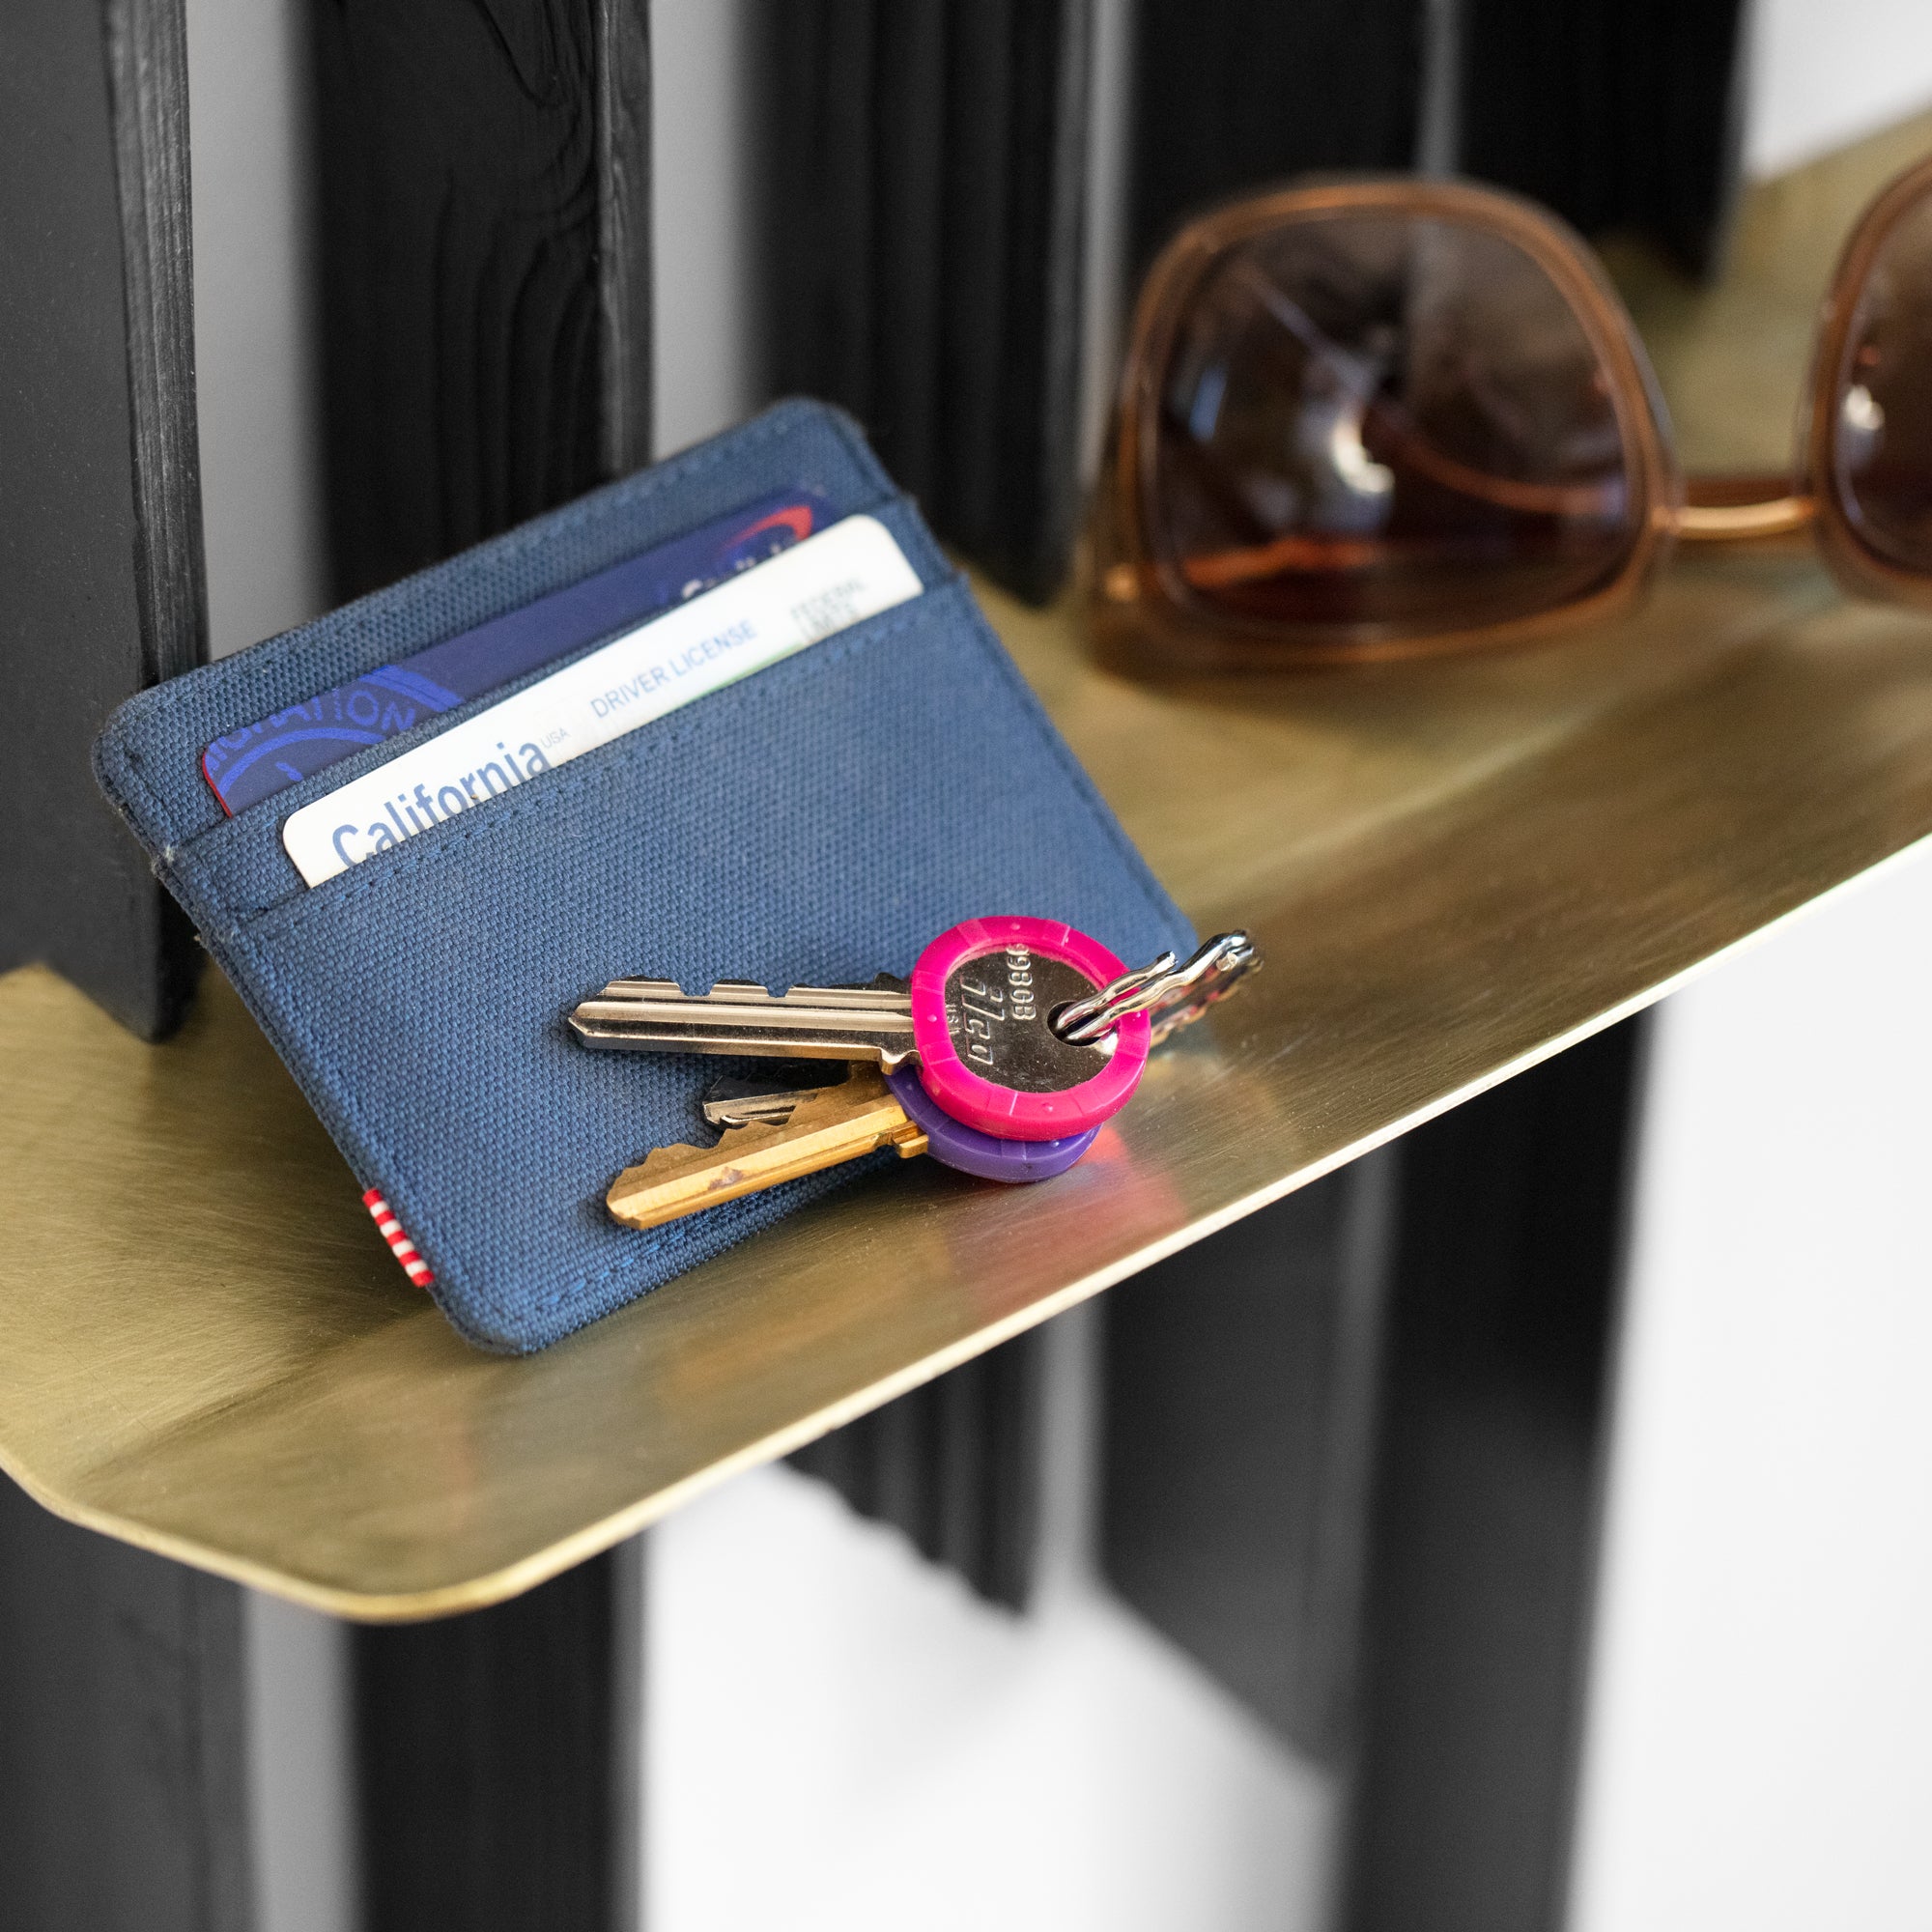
pixel 998 981
pixel 1169 995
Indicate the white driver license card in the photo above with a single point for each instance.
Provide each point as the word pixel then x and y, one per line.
pixel 819 587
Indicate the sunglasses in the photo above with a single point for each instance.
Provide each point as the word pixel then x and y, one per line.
pixel 1386 418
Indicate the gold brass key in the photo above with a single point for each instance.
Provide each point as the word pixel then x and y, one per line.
pixel 829 1125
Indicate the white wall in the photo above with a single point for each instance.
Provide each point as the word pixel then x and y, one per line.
pixel 1824 72
pixel 1758 1749
pixel 300 1768
pixel 254 334
pixel 1760 1745
pixel 707 333
pixel 843 1739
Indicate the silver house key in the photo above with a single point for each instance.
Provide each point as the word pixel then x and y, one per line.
pixel 1020 1027
pixel 738 1016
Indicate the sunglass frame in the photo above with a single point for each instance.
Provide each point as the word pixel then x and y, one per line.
pixel 1859 568
pixel 1146 616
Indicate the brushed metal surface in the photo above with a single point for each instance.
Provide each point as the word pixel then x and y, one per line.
pixel 1453 869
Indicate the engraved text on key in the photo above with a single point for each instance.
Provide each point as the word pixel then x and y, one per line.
pixel 996 1010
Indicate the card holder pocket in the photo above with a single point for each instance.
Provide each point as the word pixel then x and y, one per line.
pixel 149 758
pixel 246 854
pixel 820 820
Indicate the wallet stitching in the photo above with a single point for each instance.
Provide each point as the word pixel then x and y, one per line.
pixel 1003 664
pixel 570 784
pixel 242 934
pixel 605 772
pixel 431 728
pixel 424 1227
pixel 647 486
pixel 127 763
pixel 342 1102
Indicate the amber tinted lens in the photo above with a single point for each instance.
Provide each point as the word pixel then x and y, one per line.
pixel 1385 420
pixel 1881 418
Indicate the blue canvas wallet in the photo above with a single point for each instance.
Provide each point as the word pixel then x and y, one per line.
pixel 819 821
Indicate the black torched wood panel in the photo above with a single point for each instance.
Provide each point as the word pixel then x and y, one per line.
pixel 1619 114
pixel 493 1788
pixel 122 1773
pixel 123 1761
pixel 925 179
pixel 1013 302
pixel 1240 1381
pixel 484 182
pixel 1616 113
pixel 1234 95
pixel 485 188
pixel 100 561
pixel 1494 1406
pixel 954 1464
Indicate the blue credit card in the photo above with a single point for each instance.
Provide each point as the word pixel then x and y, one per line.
pixel 247 766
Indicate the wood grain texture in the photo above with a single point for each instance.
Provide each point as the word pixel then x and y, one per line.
pixel 926 178
pixel 484 167
pixel 147 91
pixel 101 571
pixel 624 255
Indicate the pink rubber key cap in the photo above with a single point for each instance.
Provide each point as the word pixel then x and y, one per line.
pixel 983 995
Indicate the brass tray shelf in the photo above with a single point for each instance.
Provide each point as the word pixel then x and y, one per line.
pixel 1453 869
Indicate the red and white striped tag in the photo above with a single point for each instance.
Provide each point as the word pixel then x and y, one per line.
pixel 400 1245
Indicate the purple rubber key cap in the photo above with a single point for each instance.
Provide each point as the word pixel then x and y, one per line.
pixel 953 1144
